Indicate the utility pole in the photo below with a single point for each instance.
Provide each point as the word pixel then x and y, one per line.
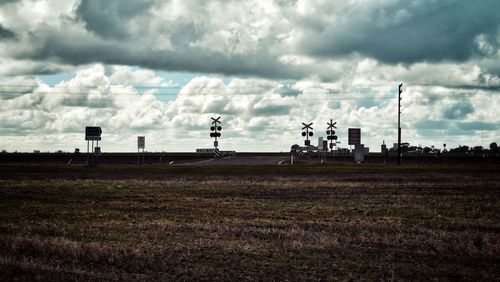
pixel 400 90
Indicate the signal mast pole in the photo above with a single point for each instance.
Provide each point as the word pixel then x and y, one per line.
pixel 400 90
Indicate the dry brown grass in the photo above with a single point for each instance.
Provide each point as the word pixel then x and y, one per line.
pixel 252 228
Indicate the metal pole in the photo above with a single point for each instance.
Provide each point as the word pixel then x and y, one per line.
pixel 88 156
pixel 92 153
pixel 399 123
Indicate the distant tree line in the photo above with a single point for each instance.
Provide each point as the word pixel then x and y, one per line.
pixel 461 149
pixel 476 149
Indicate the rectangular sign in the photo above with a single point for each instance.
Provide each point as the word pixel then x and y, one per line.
pixel 92 133
pixel 141 142
pixel 325 145
pixel 354 136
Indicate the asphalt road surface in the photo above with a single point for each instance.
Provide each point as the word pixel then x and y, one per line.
pixel 241 160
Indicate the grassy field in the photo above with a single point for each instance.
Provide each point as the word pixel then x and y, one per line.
pixel 161 171
pixel 350 225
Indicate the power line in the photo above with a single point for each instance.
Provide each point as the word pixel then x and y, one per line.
pixel 232 93
pixel 250 100
pixel 387 84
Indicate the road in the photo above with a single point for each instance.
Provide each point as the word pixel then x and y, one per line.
pixel 241 160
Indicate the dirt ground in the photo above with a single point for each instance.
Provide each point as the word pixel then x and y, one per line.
pixel 219 225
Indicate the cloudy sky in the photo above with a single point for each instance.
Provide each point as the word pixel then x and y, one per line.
pixel 163 68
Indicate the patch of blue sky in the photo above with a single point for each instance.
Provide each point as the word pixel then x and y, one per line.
pixel 178 80
pixel 53 79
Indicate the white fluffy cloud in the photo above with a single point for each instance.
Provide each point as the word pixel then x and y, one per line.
pixel 257 114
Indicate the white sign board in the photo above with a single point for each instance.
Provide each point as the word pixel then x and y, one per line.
pixel 141 142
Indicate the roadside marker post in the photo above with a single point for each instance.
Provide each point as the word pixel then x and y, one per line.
pixel 141 144
pixel 217 153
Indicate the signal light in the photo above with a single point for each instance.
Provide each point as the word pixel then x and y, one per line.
pixel 215 128
pixel 331 133
pixel 308 132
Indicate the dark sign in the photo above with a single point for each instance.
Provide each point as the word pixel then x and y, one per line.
pixel 92 133
pixel 354 136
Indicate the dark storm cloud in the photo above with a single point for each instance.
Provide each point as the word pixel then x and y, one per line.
pixel 6 33
pixel 271 110
pixel 409 32
pixel 285 90
pixel 185 34
pixel 109 18
pixel 477 125
pixel 283 42
pixel 3 2
pixel 71 50
pixel 432 124
pixel 458 111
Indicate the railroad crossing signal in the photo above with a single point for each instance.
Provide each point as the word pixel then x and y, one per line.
pixel 307 133
pixel 331 133
pixel 216 128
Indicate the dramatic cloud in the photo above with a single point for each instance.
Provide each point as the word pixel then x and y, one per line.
pixel 269 39
pixel 6 33
pixel 111 18
pixel 458 111
pixel 264 66
pixel 407 31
